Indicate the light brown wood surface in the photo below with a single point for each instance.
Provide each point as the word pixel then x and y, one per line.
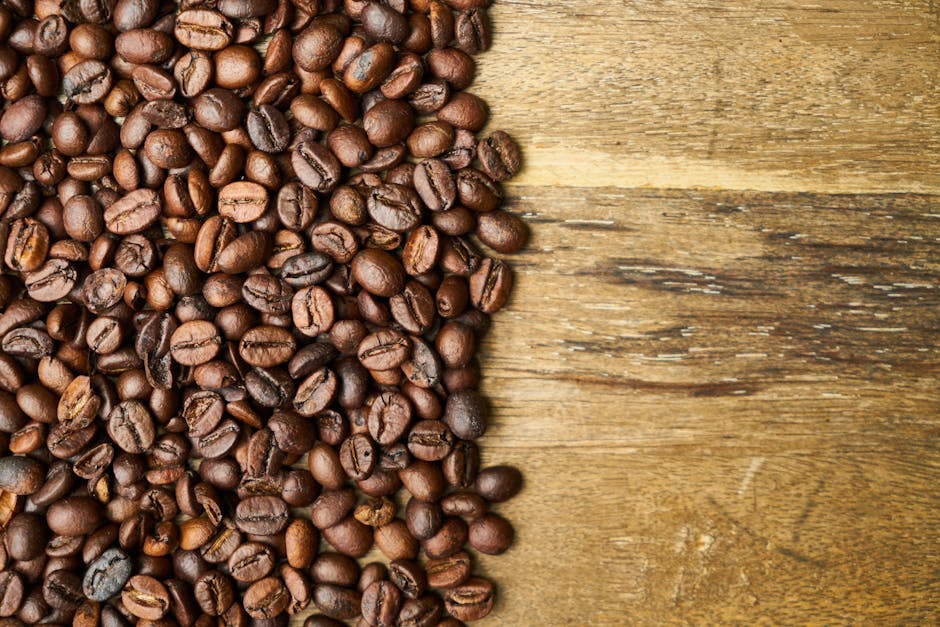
pixel 725 402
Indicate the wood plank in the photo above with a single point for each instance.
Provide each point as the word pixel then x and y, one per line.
pixel 776 306
pixel 831 96
pixel 726 408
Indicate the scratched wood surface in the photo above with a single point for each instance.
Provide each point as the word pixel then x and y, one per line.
pixel 725 401
pixel 719 369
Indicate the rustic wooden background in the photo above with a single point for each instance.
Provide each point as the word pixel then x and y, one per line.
pixel 719 370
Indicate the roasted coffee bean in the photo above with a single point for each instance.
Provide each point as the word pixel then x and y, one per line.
pixel 133 213
pixel 214 593
pixel 358 457
pixel 268 129
pixel 448 572
pixel 266 599
pixel 251 561
pixel 106 575
pixel 408 577
pixel 315 166
pixel 203 29
pixel 471 600
pixel 307 269
pixel 337 602
pixel 195 343
pixel 261 515
pixel 435 184
pixel 395 207
pixel 381 602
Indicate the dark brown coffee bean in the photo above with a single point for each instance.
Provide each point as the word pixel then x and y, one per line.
pixel 61 589
pixel 490 286
pixel 218 110
pixel 268 129
pixel 52 281
pixel 471 600
pixel 337 602
pixel 384 23
pixel 316 167
pixel 408 577
pixel 448 572
pixel 502 231
pixel 378 272
pixel 251 562
pixel 214 593
pixel 87 81
pixel 262 515
pixel 395 207
pixel 465 111
pixel 306 269
pixel 389 418
pixel 317 46
pixel 203 29
pixel 267 346
pixel 195 343
pixel 266 599
pixel 133 213
pixel 491 534
pixel 358 456
pixel 435 184
pixel 388 122
pixel 384 350
pixel 335 240
pixel 380 604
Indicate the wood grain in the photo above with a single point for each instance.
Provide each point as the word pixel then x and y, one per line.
pixel 726 407
pixel 724 401
pixel 830 96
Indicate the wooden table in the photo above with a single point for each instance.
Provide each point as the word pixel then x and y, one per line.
pixel 719 367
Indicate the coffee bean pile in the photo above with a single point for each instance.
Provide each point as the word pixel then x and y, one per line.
pixel 248 256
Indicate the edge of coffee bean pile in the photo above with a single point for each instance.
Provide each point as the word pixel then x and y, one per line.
pixel 250 249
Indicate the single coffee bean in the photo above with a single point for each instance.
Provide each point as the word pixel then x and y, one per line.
pixel 195 343
pixel 268 129
pixel 395 207
pixel 306 269
pixel 316 167
pixel 214 593
pixel 20 475
pixel 471 600
pixel 267 346
pixel 491 534
pixel 251 561
pixel 448 572
pixel 203 29
pixel 27 245
pixel 409 577
pixel 261 515
pixel 61 589
pixel 435 184
pixel 242 201
pixel 337 602
pixel 133 213
pixel 502 231
pixel 358 457
pixel 106 575
pixel 266 599
pixel 131 427
pixel 381 602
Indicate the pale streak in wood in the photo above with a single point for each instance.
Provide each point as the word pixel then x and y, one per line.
pixel 725 403
pixel 833 96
